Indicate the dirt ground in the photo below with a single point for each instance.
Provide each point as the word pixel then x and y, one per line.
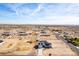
pixel 59 48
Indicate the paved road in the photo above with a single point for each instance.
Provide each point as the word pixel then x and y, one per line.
pixel 61 38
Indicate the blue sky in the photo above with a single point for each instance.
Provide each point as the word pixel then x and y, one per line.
pixel 39 13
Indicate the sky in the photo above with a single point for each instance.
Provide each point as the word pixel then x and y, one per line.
pixel 39 13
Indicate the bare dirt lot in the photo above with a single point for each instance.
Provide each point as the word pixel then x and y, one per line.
pixel 59 48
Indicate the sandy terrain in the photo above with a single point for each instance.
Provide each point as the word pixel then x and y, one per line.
pixel 59 48
pixel 24 45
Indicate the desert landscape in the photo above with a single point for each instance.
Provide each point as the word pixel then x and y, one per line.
pixel 37 40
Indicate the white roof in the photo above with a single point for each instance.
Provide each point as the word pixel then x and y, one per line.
pixel 77 47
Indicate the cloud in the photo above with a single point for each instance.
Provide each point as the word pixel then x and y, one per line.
pixel 40 6
pixel 68 20
pixel 53 13
pixel 60 9
pixel 15 7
